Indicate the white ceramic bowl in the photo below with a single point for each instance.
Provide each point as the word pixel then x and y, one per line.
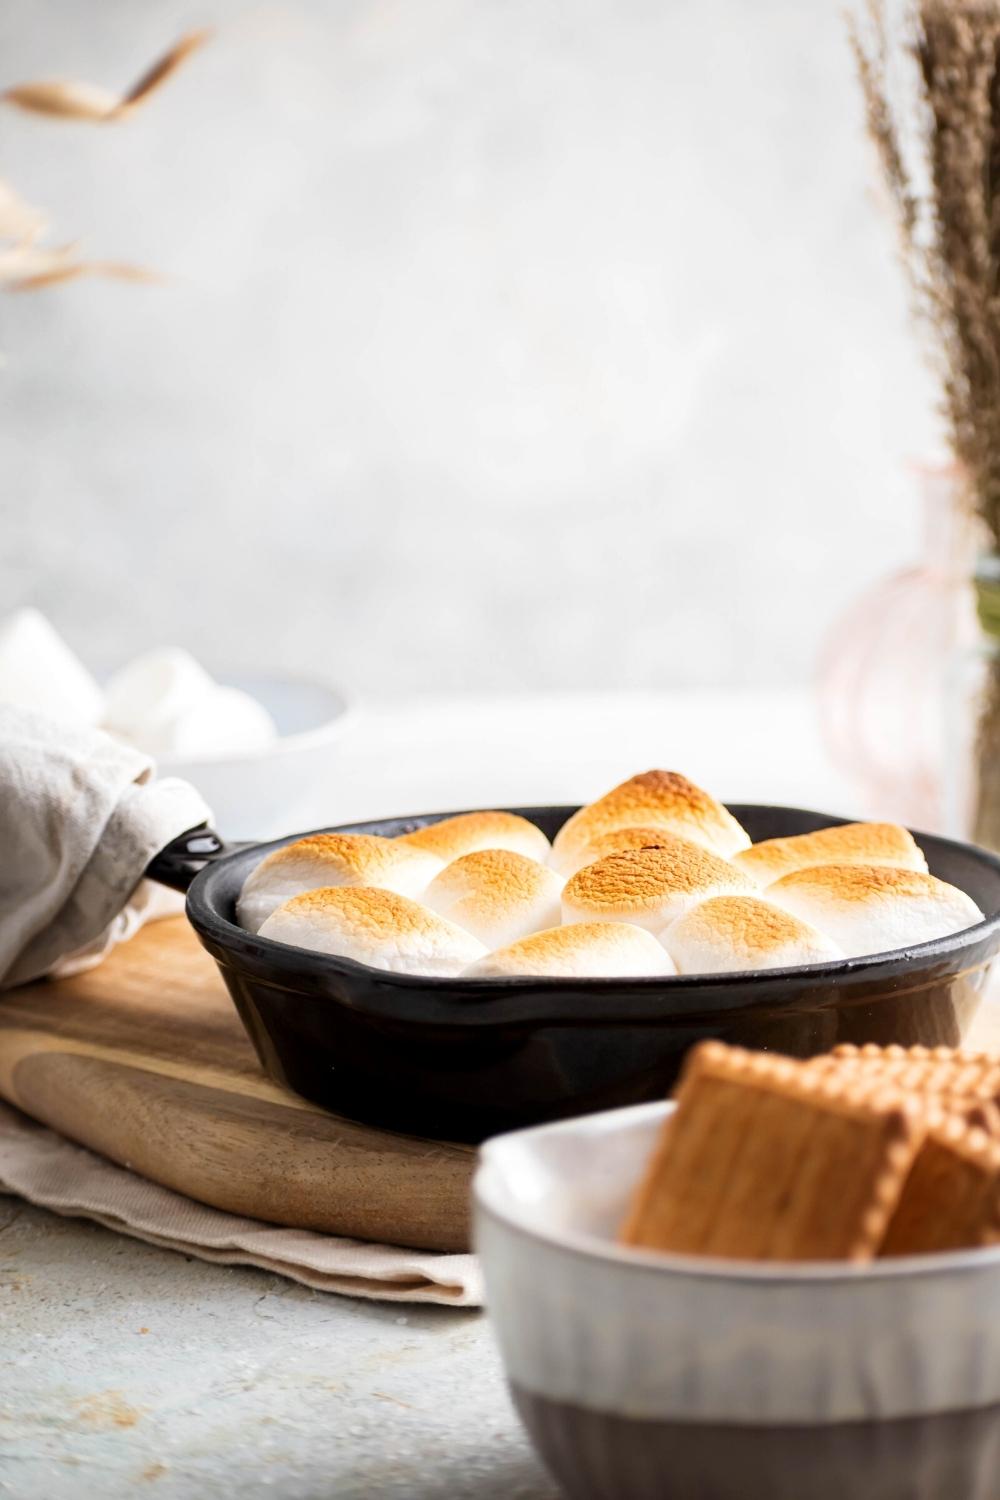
pixel 280 787
pixel 643 1375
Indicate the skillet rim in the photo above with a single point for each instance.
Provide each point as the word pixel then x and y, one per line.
pixel 286 966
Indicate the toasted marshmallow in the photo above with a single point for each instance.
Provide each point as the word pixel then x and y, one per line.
pixel 584 950
pixel 618 841
pixel 660 799
pixel 731 933
pixel 332 859
pixel 469 832
pixel 375 927
pixel 39 671
pixel 497 895
pixel 849 844
pixel 874 908
pixel 651 887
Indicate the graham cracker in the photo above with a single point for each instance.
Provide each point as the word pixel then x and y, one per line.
pixel 765 1159
pixel 951 1197
pixel 927 1071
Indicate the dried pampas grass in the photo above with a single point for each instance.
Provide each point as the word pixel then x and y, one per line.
pixel 27 264
pixel 939 146
pixel 69 100
pixel 940 154
pixel 19 220
pixel 26 268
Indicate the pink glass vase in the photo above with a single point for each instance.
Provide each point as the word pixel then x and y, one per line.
pixel 884 672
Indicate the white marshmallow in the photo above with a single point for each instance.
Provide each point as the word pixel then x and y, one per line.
pixel 729 934
pixel 375 927
pixel 583 950
pixel 874 908
pixel 497 895
pixel 228 722
pixel 39 671
pixel 167 704
pixel 332 859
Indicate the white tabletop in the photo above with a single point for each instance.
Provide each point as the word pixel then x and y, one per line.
pixel 443 752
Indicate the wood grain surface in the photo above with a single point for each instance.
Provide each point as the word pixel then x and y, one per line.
pixel 145 1060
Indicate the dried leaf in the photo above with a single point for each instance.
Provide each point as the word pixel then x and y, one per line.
pixel 64 99
pixel 113 269
pixel 71 100
pixel 25 260
pixel 161 70
pixel 24 264
pixel 18 220
pixel 26 267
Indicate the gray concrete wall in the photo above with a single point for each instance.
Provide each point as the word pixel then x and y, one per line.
pixel 506 344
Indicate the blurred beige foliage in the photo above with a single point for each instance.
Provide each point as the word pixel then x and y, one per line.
pixel 26 261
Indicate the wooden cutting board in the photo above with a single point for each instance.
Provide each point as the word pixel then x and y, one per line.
pixel 144 1060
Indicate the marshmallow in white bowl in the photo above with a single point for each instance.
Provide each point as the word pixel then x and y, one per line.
pixel 875 908
pixel 39 671
pixel 167 704
pixel 260 794
pixel 332 859
pixel 375 927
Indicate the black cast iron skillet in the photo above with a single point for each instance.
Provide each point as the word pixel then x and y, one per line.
pixel 462 1059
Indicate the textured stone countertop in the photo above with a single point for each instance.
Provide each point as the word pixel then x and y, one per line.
pixel 127 1370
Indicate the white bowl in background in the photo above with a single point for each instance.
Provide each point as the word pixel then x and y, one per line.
pixel 643 1376
pixel 276 788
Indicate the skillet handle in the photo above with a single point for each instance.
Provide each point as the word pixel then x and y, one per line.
pixel 183 858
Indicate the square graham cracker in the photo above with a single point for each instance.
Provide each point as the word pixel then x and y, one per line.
pixel 951 1197
pixel 765 1160
pixel 920 1070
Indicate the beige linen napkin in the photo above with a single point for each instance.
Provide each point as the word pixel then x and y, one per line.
pixel 81 816
pixel 51 1172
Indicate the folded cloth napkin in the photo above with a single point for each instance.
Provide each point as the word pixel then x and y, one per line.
pixel 81 816
pixel 80 819
pixel 49 1171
